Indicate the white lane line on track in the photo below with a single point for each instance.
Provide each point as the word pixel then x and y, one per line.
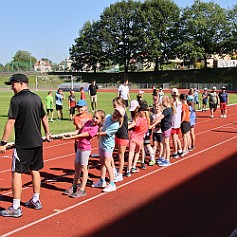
pixel 122 185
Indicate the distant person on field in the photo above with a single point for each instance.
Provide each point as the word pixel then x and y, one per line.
pixel 196 98
pixel 192 125
pixel 92 91
pixel 176 123
pixel 123 92
pixel 83 95
pixel 49 105
pixel 185 123
pixel 26 113
pixel 223 97
pixel 161 94
pixel 204 100
pixel 72 104
pixel 213 101
pixel 59 97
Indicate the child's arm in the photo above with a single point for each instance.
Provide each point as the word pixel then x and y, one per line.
pixel 75 135
pixel 131 125
pixel 157 121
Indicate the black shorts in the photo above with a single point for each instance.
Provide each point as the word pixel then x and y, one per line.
pixel 185 127
pixel 49 110
pixel 147 138
pixel 212 106
pixel 125 103
pixel 72 110
pixel 157 137
pixel 26 159
pixel 59 107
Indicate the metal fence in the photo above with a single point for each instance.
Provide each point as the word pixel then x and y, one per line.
pixel 184 85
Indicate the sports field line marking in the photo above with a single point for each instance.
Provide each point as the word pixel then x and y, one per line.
pixel 122 185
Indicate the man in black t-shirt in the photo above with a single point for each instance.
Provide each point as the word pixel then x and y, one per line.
pixel 25 114
pixel 92 91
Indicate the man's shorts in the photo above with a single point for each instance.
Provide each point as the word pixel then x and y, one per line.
pixel 59 107
pixel 26 159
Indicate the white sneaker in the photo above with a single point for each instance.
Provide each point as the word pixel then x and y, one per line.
pixel 110 188
pixel 99 184
pixel 224 116
pixel 212 116
pixel 118 178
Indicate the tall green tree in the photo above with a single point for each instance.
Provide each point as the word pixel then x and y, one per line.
pixel 86 52
pixel 23 61
pixel 230 41
pixel 121 32
pixel 202 27
pixel 159 20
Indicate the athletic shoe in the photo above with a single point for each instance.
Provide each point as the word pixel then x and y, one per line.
pixel 68 191
pixel 160 161
pixel 151 163
pixel 175 155
pixel 109 188
pixel 165 163
pixel 212 116
pixel 118 178
pixel 79 193
pixel 128 174
pixel 180 153
pixel 134 170
pixel 185 153
pixel 143 166
pixel 10 212
pixel 35 205
pixel 190 149
pixel 224 116
pixel 99 184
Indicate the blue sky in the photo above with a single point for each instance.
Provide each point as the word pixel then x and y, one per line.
pixel 47 28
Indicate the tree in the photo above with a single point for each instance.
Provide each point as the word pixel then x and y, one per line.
pixel 86 51
pixel 23 61
pixel 120 32
pixel 159 20
pixel 202 25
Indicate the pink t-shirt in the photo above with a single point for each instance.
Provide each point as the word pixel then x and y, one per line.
pixel 140 129
pixel 85 142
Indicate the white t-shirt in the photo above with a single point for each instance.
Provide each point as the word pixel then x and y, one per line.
pixel 123 91
pixel 176 118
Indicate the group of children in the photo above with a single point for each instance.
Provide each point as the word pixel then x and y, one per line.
pixel 148 131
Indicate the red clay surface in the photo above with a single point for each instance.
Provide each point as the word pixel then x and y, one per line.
pixel 195 196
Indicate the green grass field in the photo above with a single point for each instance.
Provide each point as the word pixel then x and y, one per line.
pixel 104 102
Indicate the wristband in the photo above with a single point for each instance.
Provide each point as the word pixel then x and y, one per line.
pixel 3 143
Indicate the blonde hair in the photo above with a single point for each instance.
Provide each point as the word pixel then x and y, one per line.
pixel 102 116
pixel 167 99
pixel 119 101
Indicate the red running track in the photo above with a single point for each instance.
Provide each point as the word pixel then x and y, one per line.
pixel 195 196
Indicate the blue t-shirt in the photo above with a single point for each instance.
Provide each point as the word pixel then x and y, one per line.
pixel 58 99
pixel 107 143
pixel 192 116
pixel 223 97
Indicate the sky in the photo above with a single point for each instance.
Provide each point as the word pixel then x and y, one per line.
pixel 48 28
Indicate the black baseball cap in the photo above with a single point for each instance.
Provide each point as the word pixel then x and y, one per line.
pixel 17 78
